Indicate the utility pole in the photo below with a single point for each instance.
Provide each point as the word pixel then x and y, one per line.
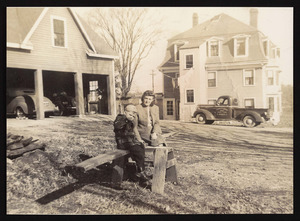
pixel 153 74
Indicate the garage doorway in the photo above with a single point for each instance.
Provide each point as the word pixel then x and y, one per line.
pixel 60 86
pixel 57 82
pixel 19 78
pixel 95 93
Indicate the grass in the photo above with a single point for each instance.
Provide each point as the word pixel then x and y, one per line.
pixel 204 187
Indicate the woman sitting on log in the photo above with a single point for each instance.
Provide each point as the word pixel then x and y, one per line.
pixel 147 121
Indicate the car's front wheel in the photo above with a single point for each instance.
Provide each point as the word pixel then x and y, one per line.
pixel 249 121
pixel 201 118
pixel 20 113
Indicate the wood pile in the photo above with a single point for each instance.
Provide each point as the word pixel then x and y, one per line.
pixel 17 145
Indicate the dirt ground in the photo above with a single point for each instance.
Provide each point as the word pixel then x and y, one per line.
pixel 222 169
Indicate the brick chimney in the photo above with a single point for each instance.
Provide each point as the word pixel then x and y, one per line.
pixel 195 19
pixel 253 17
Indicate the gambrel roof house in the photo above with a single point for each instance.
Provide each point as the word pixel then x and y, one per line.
pixel 53 49
pixel 221 56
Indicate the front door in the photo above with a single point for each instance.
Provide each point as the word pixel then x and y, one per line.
pixel 169 109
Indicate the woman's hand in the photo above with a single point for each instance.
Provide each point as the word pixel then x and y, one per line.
pixel 153 136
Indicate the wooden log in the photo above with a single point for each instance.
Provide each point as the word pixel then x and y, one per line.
pixel 171 163
pixel 101 159
pixel 15 146
pixel 171 173
pixel 26 142
pixel 118 171
pixel 12 140
pixel 150 148
pixel 159 174
pixel 20 152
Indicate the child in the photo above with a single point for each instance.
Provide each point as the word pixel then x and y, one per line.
pixel 126 140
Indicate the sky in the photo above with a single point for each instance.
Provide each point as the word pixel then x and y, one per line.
pixel 274 22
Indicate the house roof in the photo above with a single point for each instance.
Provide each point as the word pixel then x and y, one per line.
pixel 99 43
pixel 221 26
pixel 21 23
pixel 168 61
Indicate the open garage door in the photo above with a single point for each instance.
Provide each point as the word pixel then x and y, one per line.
pixel 60 88
pixel 95 93
pixel 19 78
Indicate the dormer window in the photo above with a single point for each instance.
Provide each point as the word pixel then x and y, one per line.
pixel 266 47
pixel 58 25
pixel 241 46
pixel 276 52
pixel 176 52
pixel 177 45
pixel 214 47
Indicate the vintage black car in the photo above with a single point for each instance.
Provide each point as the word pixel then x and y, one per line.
pixel 226 108
pixel 66 104
pixel 21 103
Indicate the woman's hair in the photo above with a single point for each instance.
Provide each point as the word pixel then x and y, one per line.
pixel 148 93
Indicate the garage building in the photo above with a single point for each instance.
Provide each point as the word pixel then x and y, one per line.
pixel 52 50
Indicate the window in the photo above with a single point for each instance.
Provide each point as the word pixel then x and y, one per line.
pixel 277 77
pixel 188 61
pixel 222 101
pixel 170 110
pixel 276 52
pixel 211 101
pixel 176 53
pixel 58 32
pixel 190 96
pixel 241 45
pixel 176 47
pixel 270 74
pixel 212 79
pixel 266 47
pixel 213 48
pixel 93 85
pixel 248 77
pixel 273 77
pixel 249 103
pixel 271 103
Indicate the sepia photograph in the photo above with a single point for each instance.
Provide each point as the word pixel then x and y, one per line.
pixel 149 110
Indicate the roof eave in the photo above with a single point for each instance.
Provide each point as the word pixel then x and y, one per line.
pixel 19 46
pixel 240 64
pixel 101 55
pixel 33 28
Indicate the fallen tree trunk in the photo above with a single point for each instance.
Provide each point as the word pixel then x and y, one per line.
pixel 20 152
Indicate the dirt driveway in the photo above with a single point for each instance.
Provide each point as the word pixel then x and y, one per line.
pixel 221 168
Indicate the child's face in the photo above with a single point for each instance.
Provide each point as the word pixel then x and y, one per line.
pixel 130 115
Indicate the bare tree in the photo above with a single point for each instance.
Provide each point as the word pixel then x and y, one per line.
pixel 132 32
